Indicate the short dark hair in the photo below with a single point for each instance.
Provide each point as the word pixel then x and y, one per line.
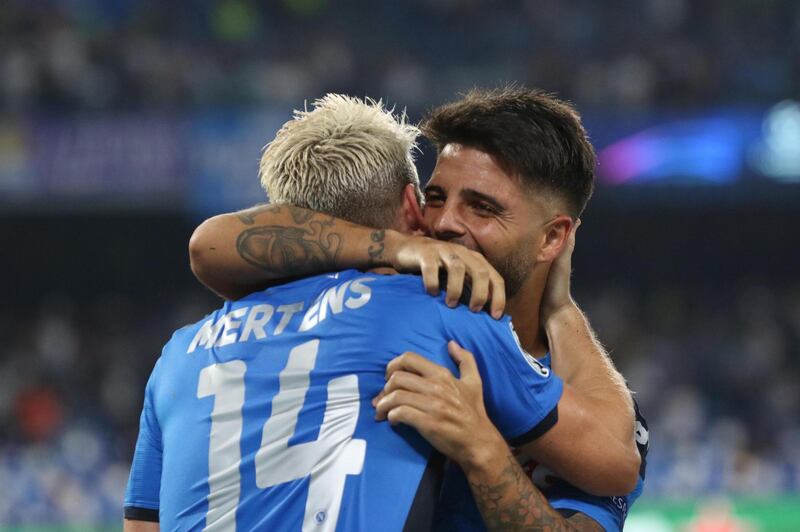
pixel 530 131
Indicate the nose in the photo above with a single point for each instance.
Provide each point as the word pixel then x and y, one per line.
pixel 448 224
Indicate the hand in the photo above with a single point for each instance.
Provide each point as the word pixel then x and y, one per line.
pixel 447 411
pixel 557 291
pixel 428 256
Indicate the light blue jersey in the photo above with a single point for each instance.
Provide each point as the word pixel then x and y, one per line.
pixel 259 417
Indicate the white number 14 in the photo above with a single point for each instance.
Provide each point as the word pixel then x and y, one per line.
pixel 328 459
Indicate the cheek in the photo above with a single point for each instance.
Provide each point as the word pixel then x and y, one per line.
pixel 493 239
pixel 429 218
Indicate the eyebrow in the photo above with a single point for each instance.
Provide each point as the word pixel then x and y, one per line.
pixel 472 194
pixel 434 189
pixel 468 194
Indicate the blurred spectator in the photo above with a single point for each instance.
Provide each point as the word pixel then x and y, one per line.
pixel 101 55
pixel 694 360
pixel 717 374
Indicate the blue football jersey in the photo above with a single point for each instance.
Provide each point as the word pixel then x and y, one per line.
pixel 259 416
pixel 457 510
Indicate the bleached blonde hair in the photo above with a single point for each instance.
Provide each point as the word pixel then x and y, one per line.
pixel 347 157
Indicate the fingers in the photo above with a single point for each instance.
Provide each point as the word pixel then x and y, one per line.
pixel 430 276
pixel 486 283
pixel 571 239
pixel 402 380
pixel 400 398
pixel 408 416
pixel 481 287
pixel 498 295
pixel 456 274
pixel 414 363
pixel 465 360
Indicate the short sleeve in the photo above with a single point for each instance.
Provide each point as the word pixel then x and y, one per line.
pixel 521 394
pixel 144 483
pixel 609 512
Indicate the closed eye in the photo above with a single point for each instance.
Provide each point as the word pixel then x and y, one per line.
pixel 485 209
pixel 434 198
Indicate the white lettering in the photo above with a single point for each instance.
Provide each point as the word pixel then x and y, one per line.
pixel 311 319
pixel 232 328
pixel 206 335
pixel 231 323
pixel 365 292
pixel 256 324
pixel 288 312
pixel 333 298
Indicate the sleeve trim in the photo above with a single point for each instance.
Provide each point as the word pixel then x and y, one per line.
pixel 141 514
pixel 538 430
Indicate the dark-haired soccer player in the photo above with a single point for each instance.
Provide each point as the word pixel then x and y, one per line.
pixel 258 418
pixel 514 171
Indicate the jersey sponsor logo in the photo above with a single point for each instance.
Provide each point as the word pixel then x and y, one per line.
pixel 537 366
pixel 621 503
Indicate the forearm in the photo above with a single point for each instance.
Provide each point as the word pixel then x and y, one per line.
pixel 580 360
pixel 131 525
pixel 235 254
pixel 508 499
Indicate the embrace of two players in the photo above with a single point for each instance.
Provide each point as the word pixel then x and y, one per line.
pixel 331 392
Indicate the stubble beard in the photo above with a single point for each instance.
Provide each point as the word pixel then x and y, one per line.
pixel 514 268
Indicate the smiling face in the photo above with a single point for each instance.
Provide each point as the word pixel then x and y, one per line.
pixel 472 200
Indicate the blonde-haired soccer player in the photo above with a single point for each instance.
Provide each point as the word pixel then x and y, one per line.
pixel 484 164
pixel 347 157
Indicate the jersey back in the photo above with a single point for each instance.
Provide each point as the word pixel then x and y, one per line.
pixel 259 416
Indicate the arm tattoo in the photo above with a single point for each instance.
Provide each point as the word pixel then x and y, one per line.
pixel 376 250
pixel 513 503
pixel 248 216
pixel 287 251
pixel 584 523
pixel 300 215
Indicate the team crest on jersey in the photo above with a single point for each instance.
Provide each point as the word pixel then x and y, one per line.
pixel 537 366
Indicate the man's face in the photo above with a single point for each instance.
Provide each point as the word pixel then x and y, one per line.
pixel 472 200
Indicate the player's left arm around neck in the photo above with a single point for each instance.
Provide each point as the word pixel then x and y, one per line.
pixel 235 254
pixel 238 253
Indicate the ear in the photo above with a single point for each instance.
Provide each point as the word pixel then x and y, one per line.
pixel 555 238
pixel 411 211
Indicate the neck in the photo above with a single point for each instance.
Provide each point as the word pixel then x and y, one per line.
pixel 524 310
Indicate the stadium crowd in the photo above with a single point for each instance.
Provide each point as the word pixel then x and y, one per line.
pixel 72 384
pixel 64 55
pixel 716 372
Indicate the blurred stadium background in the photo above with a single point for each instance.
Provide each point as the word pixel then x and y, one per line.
pixel 124 123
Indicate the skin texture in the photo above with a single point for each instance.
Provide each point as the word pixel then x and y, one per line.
pixel 236 254
pixel 506 497
pixel 132 525
pixel 473 200
pixel 521 235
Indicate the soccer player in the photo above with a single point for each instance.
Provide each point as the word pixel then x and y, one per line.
pixel 258 417
pixel 514 171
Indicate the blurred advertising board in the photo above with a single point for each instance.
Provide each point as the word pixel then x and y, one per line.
pixel 223 151
pixel 780 513
pixel 206 162
pixel 721 147
pixel 203 163
pixel 70 160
